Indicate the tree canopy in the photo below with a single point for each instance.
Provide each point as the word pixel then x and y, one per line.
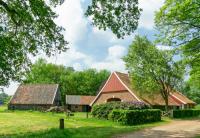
pixel 4 98
pixel 72 82
pixel 179 24
pixel 27 27
pixel 153 70
pixel 120 16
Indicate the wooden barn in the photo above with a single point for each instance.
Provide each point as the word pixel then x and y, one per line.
pixel 118 88
pixel 35 97
pixel 78 103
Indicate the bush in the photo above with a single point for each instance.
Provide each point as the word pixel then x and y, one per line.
pixel 186 113
pixel 134 117
pixel 103 110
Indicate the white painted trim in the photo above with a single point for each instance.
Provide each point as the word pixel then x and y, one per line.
pixel 101 90
pixel 127 88
pixel 55 93
pixel 178 99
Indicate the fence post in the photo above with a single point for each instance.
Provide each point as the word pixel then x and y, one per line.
pixel 62 123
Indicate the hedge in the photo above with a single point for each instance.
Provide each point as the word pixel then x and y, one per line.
pixel 103 110
pixel 186 113
pixel 135 117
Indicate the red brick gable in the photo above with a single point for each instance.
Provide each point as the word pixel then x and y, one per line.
pixel 113 85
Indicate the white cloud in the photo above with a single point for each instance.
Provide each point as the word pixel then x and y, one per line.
pixel 115 52
pixel 149 7
pixel 113 61
pixel 71 17
pixel 12 88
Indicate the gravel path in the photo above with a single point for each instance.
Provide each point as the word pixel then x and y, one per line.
pixel 175 129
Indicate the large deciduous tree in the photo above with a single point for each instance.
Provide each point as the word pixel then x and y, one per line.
pixel 179 24
pixel 27 27
pixel 153 70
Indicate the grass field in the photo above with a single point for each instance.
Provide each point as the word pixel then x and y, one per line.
pixel 45 125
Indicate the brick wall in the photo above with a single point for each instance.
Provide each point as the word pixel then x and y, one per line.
pixel 125 96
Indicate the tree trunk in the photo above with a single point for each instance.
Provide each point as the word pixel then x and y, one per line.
pixel 166 104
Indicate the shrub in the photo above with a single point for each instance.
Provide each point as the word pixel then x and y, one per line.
pixel 102 110
pixel 186 113
pixel 134 117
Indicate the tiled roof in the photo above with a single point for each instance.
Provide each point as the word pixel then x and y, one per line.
pixel 113 85
pixel 155 99
pixel 182 97
pixel 35 94
pixel 79 100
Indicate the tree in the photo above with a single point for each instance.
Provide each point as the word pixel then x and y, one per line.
pixel 153 70
pixel 192 86
pixel 179 24
pixel 71 82
pixel 120 16
pixel 4 98
pixel 192 91
pixel 27 27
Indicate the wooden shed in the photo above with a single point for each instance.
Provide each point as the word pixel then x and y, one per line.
pixel 35 97
pixel 78 103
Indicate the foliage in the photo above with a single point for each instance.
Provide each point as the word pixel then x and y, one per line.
pixel 186 113
pixel 103 110
pixel 26 27
pixel 4 98
pixel 153 70
pixel 135 117
pixel 191 91
pixel 72 82
pixel 18 124
pixel 121 16
pixel 179 24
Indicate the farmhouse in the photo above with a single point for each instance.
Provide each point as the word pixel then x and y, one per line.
pixel 35 96
pixel 79 103
pixel 118 88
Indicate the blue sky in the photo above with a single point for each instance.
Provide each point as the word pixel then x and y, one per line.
pixel 93 48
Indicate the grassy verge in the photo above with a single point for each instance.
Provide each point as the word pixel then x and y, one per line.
pixel 44 125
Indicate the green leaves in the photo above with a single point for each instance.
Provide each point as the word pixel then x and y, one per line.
pixel 179 24
pixel 153 70
pixel 71 82
pixel 120 16
pixel 26 28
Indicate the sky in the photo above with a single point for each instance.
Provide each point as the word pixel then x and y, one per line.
pixel 91 47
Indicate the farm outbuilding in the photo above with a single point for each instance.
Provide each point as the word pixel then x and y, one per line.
pixel 35 97
pixel 118 88
pixel 78 103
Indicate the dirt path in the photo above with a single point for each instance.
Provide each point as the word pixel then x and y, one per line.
pixel 175 129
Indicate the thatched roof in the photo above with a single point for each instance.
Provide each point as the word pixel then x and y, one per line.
pixel 38 94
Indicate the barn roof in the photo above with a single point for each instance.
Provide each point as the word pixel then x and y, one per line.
pixel 175 98
pixel 40 94
pixel 79 100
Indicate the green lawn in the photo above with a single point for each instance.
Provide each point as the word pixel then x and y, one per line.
pixel 37 124
pixel 197 106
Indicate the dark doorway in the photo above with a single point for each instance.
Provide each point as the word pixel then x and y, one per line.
pixel 114 100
